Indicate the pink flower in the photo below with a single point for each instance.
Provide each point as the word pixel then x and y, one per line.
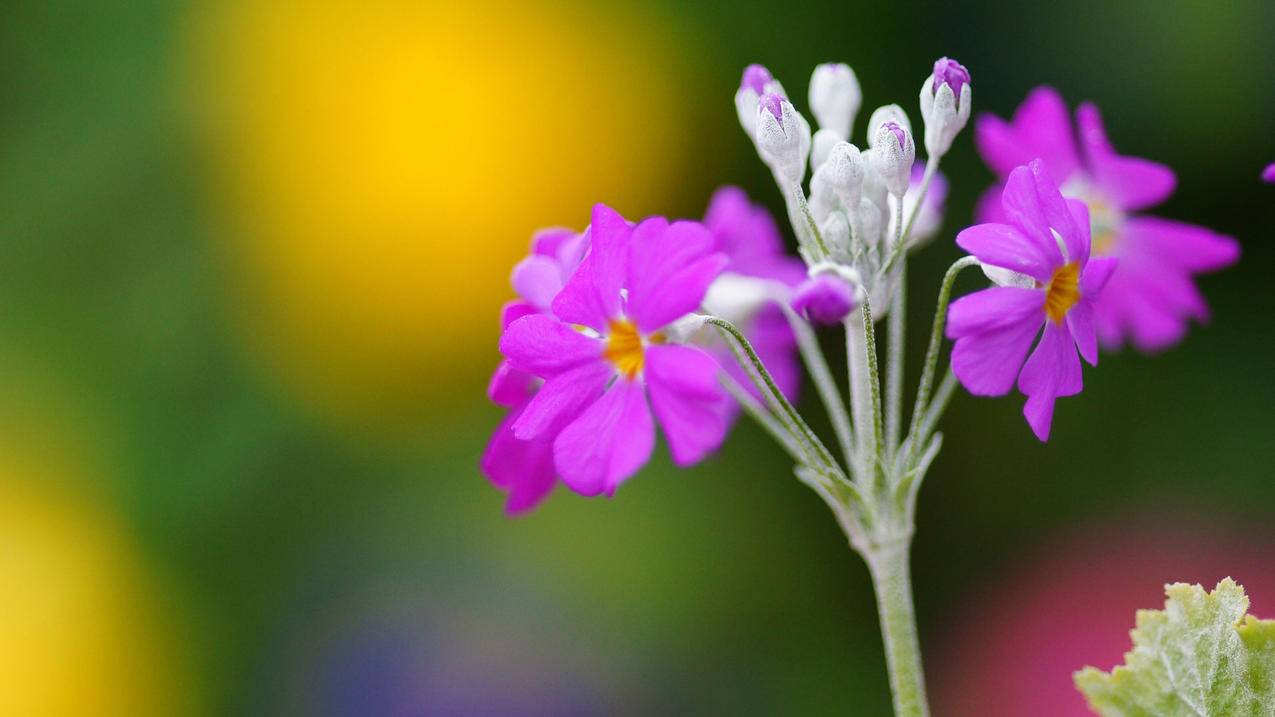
pixel 1268 174
pixel 824 299
pixel 1057 287
pixel 1152 297
pixel 747 234
pixel 607 361
pixel 524 468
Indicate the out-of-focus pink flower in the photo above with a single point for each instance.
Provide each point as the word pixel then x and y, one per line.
pixel 1011 649
pixel 1268 174
pixel 607 361
pixel 824 299
pixel 747 234
pixel 1152 296
pixel 994 328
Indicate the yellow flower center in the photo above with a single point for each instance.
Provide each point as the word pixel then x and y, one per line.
pixel 625 348
pixel 1063 292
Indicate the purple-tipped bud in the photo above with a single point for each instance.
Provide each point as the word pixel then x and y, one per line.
pixel 824 299
pixel 1268 174
pixel 951 73
pixel 756 78
pixel 774 104
pixel 898 133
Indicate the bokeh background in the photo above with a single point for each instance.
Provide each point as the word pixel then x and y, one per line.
pixel 252 256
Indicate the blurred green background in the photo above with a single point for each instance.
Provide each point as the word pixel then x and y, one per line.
pixel 253 253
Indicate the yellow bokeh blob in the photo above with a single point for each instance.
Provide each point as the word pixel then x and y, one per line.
pixel 379 166
pixel 80 622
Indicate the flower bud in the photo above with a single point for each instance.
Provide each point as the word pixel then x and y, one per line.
pixel 783 137
pixel 835 230
pixel 756 82
pixel 867 228
pixel 893 153
pixel 945 105
pixel 822 198
pixel 845 174
pixel 835 97
pixel 822 144
pixel 829 295
pixel 887 113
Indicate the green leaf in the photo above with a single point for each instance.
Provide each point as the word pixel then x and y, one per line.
pixel 1201 656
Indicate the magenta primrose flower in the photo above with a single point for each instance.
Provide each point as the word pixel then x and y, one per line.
pixel 1056 288
pixel 1152 296
pixel 524 469
pixel 608 359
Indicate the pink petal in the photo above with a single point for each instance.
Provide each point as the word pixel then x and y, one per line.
pixel 1081 324
pixel 1040 129
pixel 670 268
pixel 537 279
pixel 687 400
pixel 986 363
pixel 608 443
pixel 993 309
pixel 999 144
pixel 509 386
pixel 547 242
pixel 1096 275
pixel 523 469
pixel 1131 183
pixel 988 209
pixel 544 346
pixel 1080 242
pixel 1005 246
pixel 592 295
pixel 1052 370
pixel 561 399
pixel 514 310
pixel 1193 248
pixel 1022 206
pixel 1045 128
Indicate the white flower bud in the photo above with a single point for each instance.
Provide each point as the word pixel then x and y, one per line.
pixel 893 153
pixel 887 113
pixel 1001 276
pixel 756 82
pixel 738 298
pixel 945 105
pixel 867 228
pixel 835 97
pixel 822 197
pixel 822 143
pixel 783 137
pixel 845 174
pixel 874 184
pixel 835 230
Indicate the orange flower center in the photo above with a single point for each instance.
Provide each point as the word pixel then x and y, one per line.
pixel 1063 292
pixel 625 348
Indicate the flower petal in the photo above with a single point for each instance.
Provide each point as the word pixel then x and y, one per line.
pixel 988 360
pixel 1040 129
pixel 1005 246
pixel 561 399
pixel 608 442
pixel 687 399
pixel 1132 183
pixel 514 310
pixel 993 309
pixel 1193 248
pixel 1082 242
pixel 544 346
pixel 509 386
pixel 523 469
pixel 1022 206
pixel 670 268
pixel 1096 274
pixel 1081 324
pixel 537 279
pixel 592 295
pixel 1052 370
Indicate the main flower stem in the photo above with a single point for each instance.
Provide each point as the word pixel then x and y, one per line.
pixel 892 582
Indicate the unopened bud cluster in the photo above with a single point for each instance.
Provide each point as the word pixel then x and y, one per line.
pixel 852 216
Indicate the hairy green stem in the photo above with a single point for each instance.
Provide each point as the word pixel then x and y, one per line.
pixel 892 582
pixel 895 362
